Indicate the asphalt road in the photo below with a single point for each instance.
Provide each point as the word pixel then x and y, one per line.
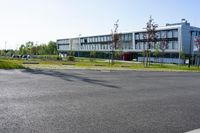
pixel 83 101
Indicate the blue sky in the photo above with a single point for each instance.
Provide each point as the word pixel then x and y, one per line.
pixel 44 20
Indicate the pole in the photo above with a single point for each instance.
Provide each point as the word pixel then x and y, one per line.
pixel 190 49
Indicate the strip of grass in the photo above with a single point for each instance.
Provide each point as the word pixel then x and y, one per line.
pixel 95 63
pixel 10 64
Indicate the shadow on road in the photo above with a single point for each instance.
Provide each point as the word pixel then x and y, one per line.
pixel 70 76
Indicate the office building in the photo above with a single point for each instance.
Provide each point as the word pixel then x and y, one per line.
pixel 179 36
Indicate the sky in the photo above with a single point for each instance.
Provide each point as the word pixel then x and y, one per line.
pixel 43 20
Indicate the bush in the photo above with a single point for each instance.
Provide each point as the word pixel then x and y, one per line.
pixel 70 58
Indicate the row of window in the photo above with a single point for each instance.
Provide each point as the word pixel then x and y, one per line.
pixel 159 34
pixel 107 38
pixel 95 47
pixel 126 37
pixel 104 46
pixel 63 47
pixel 172 45
pixel 96 39
pixel 64 41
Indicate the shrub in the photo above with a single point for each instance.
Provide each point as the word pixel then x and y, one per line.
pixel 70 58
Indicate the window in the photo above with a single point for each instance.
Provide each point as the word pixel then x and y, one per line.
pixel 102 39
pixel 101 47
pixel 152 45
pixel 163 34
pixel 141 36
pixel 98 39
pixel 105 39
pixel 130 37
pixel 137 46
pixel 85 41
pixel 169 34
pixel 108 38
pixel 136 36
pixel 170 45
pixel 126 38
pixel 175 33
pixel 158 34
pixel 175 43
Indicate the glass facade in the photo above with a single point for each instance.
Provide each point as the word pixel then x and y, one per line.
pixel 170 36
pixel 104 42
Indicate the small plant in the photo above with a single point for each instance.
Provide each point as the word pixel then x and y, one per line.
pixel 92 55
pixel 70 58
pixel 182 55
pixel 156 53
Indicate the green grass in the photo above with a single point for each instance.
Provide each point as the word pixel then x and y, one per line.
pixel 87 63
pixel 10 64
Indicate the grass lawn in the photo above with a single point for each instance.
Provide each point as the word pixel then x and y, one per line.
pixel 87 63
pixel 10 64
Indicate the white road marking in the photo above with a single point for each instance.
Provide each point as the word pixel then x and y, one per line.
pixel 194 131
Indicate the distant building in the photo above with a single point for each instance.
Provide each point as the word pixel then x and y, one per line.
pixel 180 37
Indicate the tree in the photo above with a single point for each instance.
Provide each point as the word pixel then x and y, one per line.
pixel 150 37
pixel 92 55
pixel 163 46
pixel 118 54
pixel 156 53
pixel 42 49
pixel 197 44
pixel 182 55
pixel 22 50
pixel 52 48
pixel 115 40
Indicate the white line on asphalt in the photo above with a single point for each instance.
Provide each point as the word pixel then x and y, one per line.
pixel 194 131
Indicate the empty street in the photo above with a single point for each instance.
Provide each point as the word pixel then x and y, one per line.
pixel 86 101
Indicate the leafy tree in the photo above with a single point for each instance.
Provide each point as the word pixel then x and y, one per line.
pixel 22 50
pixel 42 49
pixel 52 48
pixel 92 55
pixel 182 55
pixel 118 53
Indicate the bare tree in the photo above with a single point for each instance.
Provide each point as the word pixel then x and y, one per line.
pixel 115 40
pixel 197 44
pixel 150 38
pixel 163 46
